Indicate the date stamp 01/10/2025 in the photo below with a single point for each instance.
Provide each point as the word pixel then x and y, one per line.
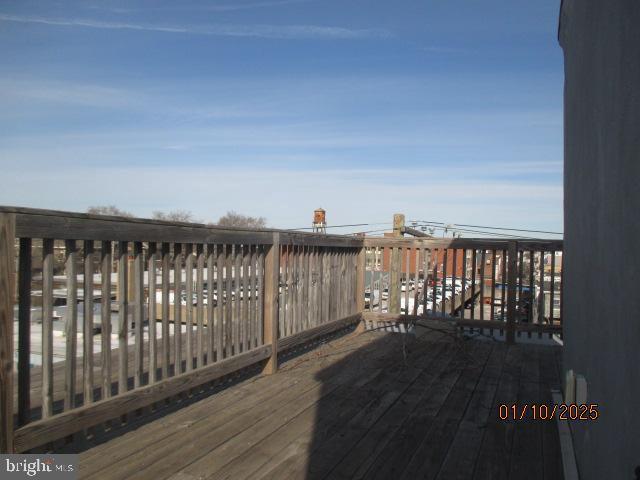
pixel 543 411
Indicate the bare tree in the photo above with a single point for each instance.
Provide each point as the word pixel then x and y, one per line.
pixel 108 210
pixel 175 216
pixel 233 219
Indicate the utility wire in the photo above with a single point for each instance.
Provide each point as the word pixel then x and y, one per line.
pixel 486 227
pixel 343 226
pixel 506 235
pixel 443 226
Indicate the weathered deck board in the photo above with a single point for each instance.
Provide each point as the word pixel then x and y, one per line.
pixel 370 405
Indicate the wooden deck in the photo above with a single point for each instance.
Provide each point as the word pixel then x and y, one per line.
pixel 365 405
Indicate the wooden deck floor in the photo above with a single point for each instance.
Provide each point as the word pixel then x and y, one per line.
pixel 371 405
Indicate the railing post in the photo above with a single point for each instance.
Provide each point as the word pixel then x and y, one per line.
pixel 7 270
pixel 361 267
pixel 271 307
pixel 512 280
pixel 395 267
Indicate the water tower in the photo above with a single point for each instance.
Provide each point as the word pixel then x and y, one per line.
pixel 319 220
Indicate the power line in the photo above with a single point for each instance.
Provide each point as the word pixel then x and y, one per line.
pixel 487 227
pixel 510 229
pixel 443 226
pixel 343 226
pixel 480 232
pixel 505 235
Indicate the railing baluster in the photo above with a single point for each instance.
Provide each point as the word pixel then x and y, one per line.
pixel 434 280
pixel 123 317
pixel 188 261
pixel 379 276
pixel 512 292
pixel 105 317
pixel 416 281
pixel 245 298
pixel 87 332
pixel 295 319
pixel 453 282
pixel 220 291
pixel 152 314
pixel 319 284
pixel 483 261
pixel 254 296
pixel 47 328
pixel 166 288
pixel 493 283
pixel 7 271
pixel 541 293
pixel 337 284
pixel 354 282
pixel 331 281
pixel 237 298
pixel 177 308
pixel 261 294
pixel 138 313
pixel 287 291
pixel 464 283
pixel 211 259
pixel 337 271
pixel 300 289
pixel 425 280
pixel 443 305
pixel 560 320
pixel 200 339
pixel 392 282
pixel 309 280
pixel 372 259
pixel 552 287
pixel 317 317
pixel 503 293
pixel 307 288
pixel 520 280
pixel 530 312
pixel 228 301
pixel 24 331
pixel 474 262
pixel 346 283
pixel 404 276
pixel 71 324
pixel 282 293
pixel 326 285
pixel 292 315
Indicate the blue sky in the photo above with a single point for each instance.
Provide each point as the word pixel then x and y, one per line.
pixel 444 110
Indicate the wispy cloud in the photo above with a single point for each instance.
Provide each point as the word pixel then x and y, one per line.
pixel 251 5
pixel 260 31
pixel 229 7
pixel 441 49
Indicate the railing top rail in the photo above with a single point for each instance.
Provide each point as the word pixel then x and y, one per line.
pixel 40 223
pixel 464 243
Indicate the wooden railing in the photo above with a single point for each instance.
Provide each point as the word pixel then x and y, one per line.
pixel 510 285
pixel 113 315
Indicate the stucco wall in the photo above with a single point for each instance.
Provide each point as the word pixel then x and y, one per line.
pixel 601 42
